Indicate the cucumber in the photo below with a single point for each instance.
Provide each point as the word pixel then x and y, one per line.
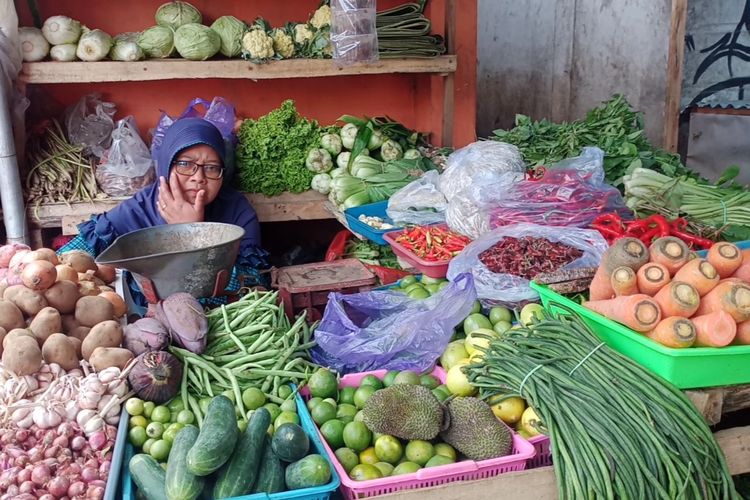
pixel 311 471
pixel 271 473
pixel 148 476
pixel 216 440
pixel 236 477
pixel 180 483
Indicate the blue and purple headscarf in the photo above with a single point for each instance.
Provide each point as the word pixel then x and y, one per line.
pixel 139 212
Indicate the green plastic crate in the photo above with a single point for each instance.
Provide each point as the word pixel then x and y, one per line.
pixel 690 368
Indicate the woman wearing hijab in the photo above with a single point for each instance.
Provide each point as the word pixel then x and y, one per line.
pixel 192 186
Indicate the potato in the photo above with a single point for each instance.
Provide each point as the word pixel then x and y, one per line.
pixel 28 301
pixel 22 355
pixel 69 323
pixel 88 289
pixel 117 302
pixel 45 323
pixel 106 273
pixel 105 288
pixel 11 291
pixel 104 334
pixel 93 310
pixel 65 272
pixel 89 276
pixel 63 296
pixel 77 344
pixel 10 316
pixel 79 332
pixel 79 260
pixel 106 357
pixel 2 338
pixel 42 254
pixel 3 286
pixel 17 332
pixel 59 349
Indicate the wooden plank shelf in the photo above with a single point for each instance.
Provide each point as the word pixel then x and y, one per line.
pixel 170 69
pixel 285 207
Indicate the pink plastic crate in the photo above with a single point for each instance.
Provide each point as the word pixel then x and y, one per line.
pixel 431 269
pixel 543 457
pixel 465 470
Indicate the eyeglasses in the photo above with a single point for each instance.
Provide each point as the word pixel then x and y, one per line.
pixel 187 167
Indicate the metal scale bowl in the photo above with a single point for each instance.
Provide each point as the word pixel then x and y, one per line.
pixel 196 258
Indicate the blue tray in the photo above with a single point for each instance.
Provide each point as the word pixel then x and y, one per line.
pixel 371 210
pixel 315 493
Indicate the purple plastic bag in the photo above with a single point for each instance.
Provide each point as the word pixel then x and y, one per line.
pixel 220 112
pixel 388 330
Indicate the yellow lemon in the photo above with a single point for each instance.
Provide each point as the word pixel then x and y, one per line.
pixel 530 422
pixel 454 352
pixel 457 381
pixel 509 410
pixel 478 338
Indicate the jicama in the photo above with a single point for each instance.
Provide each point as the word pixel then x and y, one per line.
pixel 639 312
pixel 716 329
pixel 652 277
pixel 725 257
pixel 678 299
pixel 699 273
pixel 674 331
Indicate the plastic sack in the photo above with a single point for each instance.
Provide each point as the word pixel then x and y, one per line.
pixel 496 288
pixel 419 202
pixel 353 31
pixel 90 123
pixel 127 166
pixel 389 330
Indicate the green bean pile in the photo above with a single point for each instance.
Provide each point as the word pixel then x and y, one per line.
pixel 616 429
pixel 251 343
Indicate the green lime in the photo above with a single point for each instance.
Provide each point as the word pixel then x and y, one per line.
pixel 406 377
pixel 155 430
pixel 345 412
pixel 432 288
pixel 253 398
pixel 385 468
pixel 367 456
pixel 160 450
pixel 375 436
pixel 476 308
pixel 501 327
pixel 176 405
pixel 312 402
pixel 372 381
pixel 441 392
pixel 323 384
pixel 359 416
pixel 407 281
pixel 138 421
pixel 203 404
pixel 365 472
pixel 362 394
pixel 346 395
pixel 331 401
pixel 531 312
pixel 333 432
pixel 134 406
pixel 289 405
pixel 443 285
pixel 475 322
pixel 418 292
pixel 429 381
pixel 389 378
pixel 285 391
pixel 427 280
pixel 500 314
pixel 148 407
pixel 171 432
pixel 347 457
pixel 405 468
pixel 273 409
pixel 286 417
pixel 323 412
pixel 242 425
pixel 445 450
pixel 229 394
pixel 389 449
pixel 137 436
pixel 357 436
pixel 418 451
pixel 439 460
pixel 161 414
pixel 185 417
pixel 147 445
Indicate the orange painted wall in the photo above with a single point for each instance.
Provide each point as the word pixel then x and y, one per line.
pixel 415 100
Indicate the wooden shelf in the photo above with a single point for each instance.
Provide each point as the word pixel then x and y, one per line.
pixel 169 69
pixel 285 207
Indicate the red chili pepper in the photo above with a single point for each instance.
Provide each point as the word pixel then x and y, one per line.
pixel 608 219
pixel 692 240
pixel 608 231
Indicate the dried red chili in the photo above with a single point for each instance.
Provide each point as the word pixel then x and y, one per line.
pixel 527 256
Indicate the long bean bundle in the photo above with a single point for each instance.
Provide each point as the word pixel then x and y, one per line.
pixel 251 343
pixel 616 429
pixel 404 31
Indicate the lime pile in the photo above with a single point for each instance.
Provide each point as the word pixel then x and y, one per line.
pixel 420 288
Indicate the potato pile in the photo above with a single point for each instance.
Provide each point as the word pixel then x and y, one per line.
pixel 58 310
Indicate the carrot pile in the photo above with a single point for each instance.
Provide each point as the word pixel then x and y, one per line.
pixel 668 293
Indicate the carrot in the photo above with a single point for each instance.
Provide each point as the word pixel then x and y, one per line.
pixel 678 298
pixel 639 312
pixel 624 281
pixel 715 329
pixel 699 273
pixel 651 278
pixel 601 285
pixel 674 331
pixel 628 252
pixel 743 333
pixel 743 272
pixel 672 252
pixel 725 257
pixel 729 295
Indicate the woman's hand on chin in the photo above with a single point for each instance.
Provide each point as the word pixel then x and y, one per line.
pixel 174 207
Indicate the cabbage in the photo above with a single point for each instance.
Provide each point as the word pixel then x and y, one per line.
pixel 230 30
pixel 34 47
pixel 59 30
pixel 63 53
pixel 125 48
pixel 157 42
pixel 196 42
pixel 176 14
pixel 94 45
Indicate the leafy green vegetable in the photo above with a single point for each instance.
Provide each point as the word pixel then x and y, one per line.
pixel 371 253
pixel 614 127
pixel 271 152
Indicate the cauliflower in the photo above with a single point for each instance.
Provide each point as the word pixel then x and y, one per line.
pixel 321 17
pixel 321 183
pixel 282 43
pixel 257 44
pixel 319 161
pixel 331 143
pixel 391 150
pixel 302 34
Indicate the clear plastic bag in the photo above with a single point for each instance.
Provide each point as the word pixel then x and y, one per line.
pixel 419 202
pixel 354 34
pixel 497 288
pixel 127 166
pixel 90 123
pixel 389 330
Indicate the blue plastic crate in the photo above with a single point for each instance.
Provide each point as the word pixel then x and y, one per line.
pixel 315 493
pixel 371 210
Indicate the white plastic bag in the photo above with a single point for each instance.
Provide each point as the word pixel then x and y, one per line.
pixel 90 123
pixel 419 202
pixel 496 288
pixel 354 34
pixel 127 167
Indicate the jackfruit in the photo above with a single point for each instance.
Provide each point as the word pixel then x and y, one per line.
pixel 475 431
pixel 405 411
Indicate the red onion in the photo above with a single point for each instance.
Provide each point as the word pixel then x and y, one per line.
pixel 61 441
pixel 43 495
pixel 58 486
pixel 52 451
pixel 8 477
pixel 40 433
pixel 26 487
pixel 41 474
pixel 21 435
pixel 104 469
pixel 95 493
pixel 31 441
pixel 8 251
pixel 89 474
pixel 98 440
pixel 67 429
pixel 23 461
pixel 13 489
pixel 76 488
pixel 5 461
pixel 77 443
pixel 25 496
pixel 24 476
pixel 110 431
pixel 7 437
pixel 35 455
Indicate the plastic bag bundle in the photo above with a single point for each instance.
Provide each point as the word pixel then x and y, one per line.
pixel 127 166
pixel 381 329
pixel 419 202
pixel 89 122
pixel 353 31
